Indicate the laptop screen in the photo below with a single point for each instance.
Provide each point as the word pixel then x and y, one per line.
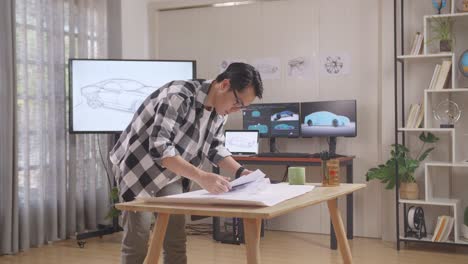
pixel 241 141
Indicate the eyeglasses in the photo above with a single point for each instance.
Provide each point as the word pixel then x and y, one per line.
pixel 239 103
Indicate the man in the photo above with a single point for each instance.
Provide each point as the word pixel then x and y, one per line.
pixel 173 131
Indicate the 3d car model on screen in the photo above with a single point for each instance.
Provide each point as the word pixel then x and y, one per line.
pixel 284 127
pixel 262 129
pixel 120 94
pixel 255 113
pixel 282 114
pixel 325 118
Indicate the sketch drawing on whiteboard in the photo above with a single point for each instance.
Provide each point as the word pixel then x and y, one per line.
pixel 333 64
pixel 117 94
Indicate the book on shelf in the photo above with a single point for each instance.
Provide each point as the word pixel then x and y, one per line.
pixel 443 74
pixel 415 116
pixel 417 43
pixel 434 77
pixel 448 229
pixel 443 228
pixel 419 117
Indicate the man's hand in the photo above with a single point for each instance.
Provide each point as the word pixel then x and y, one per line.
pixel 245 172
pixel 214 183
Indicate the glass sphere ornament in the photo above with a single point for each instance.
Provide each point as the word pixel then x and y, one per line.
pixel 448 113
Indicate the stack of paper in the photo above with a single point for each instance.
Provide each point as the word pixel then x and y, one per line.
pixel 253 189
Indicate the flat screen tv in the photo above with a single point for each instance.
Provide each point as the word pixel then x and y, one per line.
pixel 105 94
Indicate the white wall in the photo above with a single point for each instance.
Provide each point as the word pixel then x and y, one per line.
pixel 362 28
pixel 135 40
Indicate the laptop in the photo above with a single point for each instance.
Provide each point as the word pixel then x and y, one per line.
pixel 242 142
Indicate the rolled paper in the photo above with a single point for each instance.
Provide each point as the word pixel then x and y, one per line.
pixel 296 175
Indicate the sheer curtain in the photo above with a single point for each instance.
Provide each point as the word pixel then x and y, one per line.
pixel 8 183
pixel 63 186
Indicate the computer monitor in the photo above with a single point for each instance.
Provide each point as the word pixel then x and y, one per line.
pixel 329 119
pixel 273 120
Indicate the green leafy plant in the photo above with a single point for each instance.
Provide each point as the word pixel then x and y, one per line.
pixel 442 29
pixel 466 216
pixel 406 164
pixel 114 197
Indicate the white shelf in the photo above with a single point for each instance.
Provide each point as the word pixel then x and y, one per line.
pixel 428 238
pixel 449 130
pixel 440 202
pixel 451 90
pixel 462 241
pixel 438 174
pixel 447 164
pixel 453 15
pixel 425 57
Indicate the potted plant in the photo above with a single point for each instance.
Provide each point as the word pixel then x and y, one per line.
pixel 407 165
pixel 465 226
pixel 442 29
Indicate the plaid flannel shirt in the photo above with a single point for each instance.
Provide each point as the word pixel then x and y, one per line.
pixel 165 125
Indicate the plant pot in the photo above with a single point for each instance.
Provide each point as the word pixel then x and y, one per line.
pixel 445 45
pixel 465 232
pixel 409 191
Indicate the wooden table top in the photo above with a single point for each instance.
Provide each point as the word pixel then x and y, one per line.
pixel 317 195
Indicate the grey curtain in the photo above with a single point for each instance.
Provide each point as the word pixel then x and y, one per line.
pixel 52 184
pixel 8 183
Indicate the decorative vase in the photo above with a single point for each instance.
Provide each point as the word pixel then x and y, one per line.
pixel 409 191
pixel 445 45
pixel 465 232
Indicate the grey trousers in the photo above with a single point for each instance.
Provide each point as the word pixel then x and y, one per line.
pixel 136 227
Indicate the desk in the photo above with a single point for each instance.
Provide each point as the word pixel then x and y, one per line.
pixel 252 218
pixel 344 162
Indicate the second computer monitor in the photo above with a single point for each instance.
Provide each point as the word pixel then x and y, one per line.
pixel 273 120
pixel 329 119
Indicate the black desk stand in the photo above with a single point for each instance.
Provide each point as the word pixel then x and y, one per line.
pixel 344 162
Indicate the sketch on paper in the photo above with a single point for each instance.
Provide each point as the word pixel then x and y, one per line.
pixel 117 94
pixel 300 67
pixel 226 62
pixel 269 68
pixel 335 65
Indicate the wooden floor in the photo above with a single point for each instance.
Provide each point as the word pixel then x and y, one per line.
pixel 276 247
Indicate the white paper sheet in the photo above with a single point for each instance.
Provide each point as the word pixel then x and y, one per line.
pixel 259 192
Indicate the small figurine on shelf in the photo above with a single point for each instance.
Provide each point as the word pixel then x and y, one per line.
pixel 330 170
pixel 439 4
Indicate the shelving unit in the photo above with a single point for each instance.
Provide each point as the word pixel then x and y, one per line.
pixel 438 192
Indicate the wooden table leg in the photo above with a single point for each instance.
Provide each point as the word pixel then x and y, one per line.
pixel 252 229
pixel 343 245
pixel 157 239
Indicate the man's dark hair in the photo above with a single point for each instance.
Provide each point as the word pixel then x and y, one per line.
pixel 242 75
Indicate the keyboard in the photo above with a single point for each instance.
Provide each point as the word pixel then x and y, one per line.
pixel 284 155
